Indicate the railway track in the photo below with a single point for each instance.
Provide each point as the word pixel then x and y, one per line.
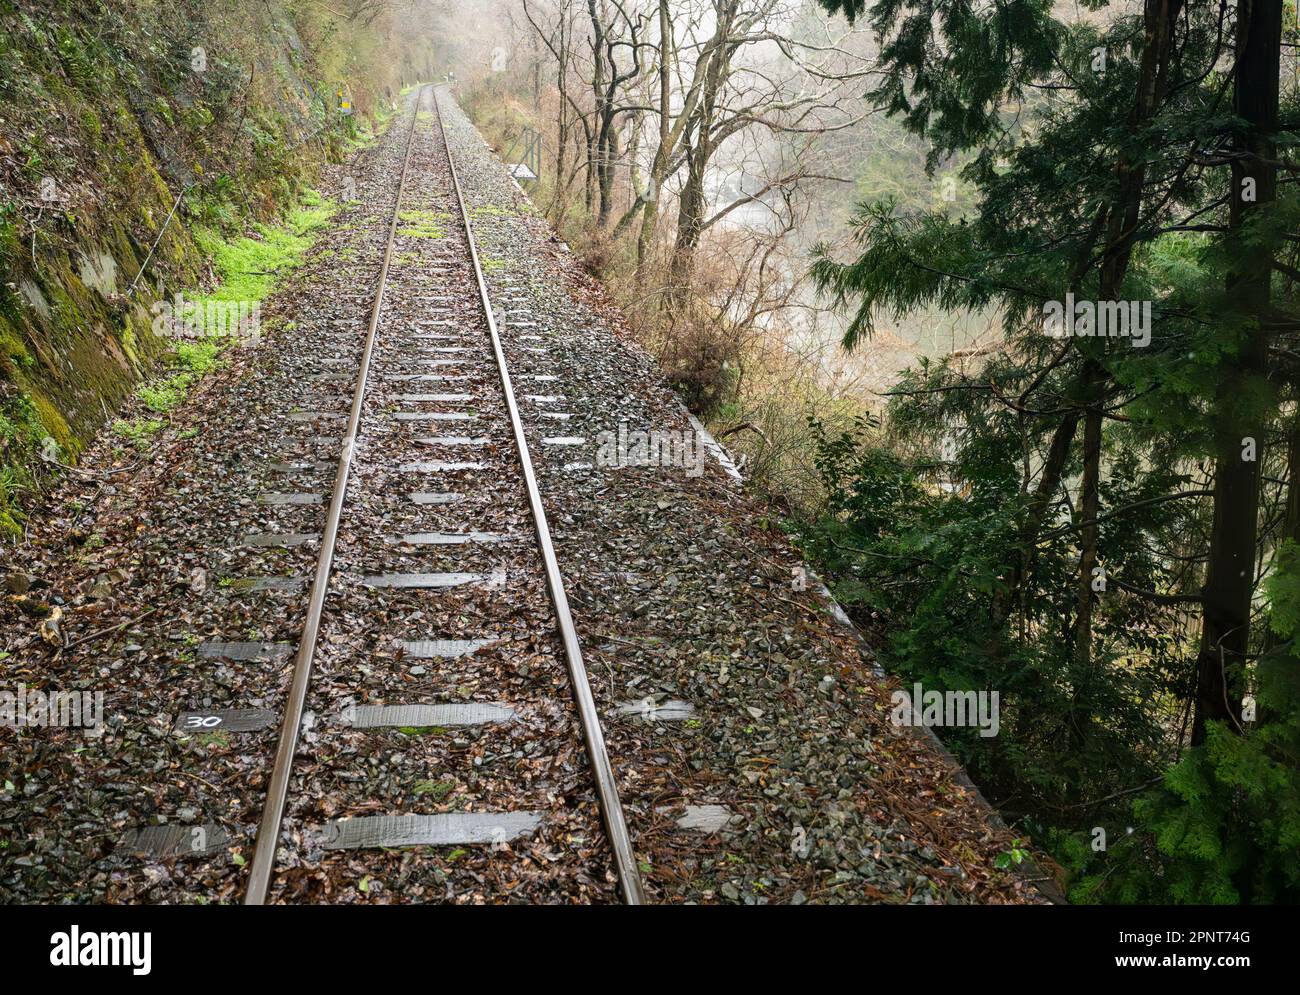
pixel 379 627
pixel 435 533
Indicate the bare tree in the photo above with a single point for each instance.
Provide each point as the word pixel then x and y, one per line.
pixel 613 31
pixel 756 70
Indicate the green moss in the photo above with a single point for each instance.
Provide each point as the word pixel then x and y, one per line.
pixel 208 740
pixel 20 422
pixel 90 122
pixel 22 433
pixel 197 117
pixel 248 268
pixel 8 523
pixel 10 244
pixel 49 422
pixel 128 339
pixel 164 110
pixel 361 138
pixel 437 790
pixel 14 349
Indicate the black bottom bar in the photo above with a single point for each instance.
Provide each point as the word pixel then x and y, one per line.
pixel 1003 948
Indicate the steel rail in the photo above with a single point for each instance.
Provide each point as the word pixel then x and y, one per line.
pixel 629 876
pixel 268 833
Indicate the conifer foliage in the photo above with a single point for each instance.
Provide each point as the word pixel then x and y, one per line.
pixel 1099 517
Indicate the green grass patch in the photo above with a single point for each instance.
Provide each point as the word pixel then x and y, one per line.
pixel 139 432
pixel 161 396
pixel 422 224
pixel 192 361
pixel 363 136
pixel 492 211
pixel 249 267
pixel 198 357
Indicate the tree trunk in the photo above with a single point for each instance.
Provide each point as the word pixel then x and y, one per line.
pixel 1121 224
pixel 607 160
pixel 1015 593
pixel 1239 439
pixel 691 206
pixel 659 168
pixel 1094 379
pixel 690 222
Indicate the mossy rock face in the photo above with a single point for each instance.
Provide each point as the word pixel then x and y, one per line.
pixel 146 139
pixel 14 354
